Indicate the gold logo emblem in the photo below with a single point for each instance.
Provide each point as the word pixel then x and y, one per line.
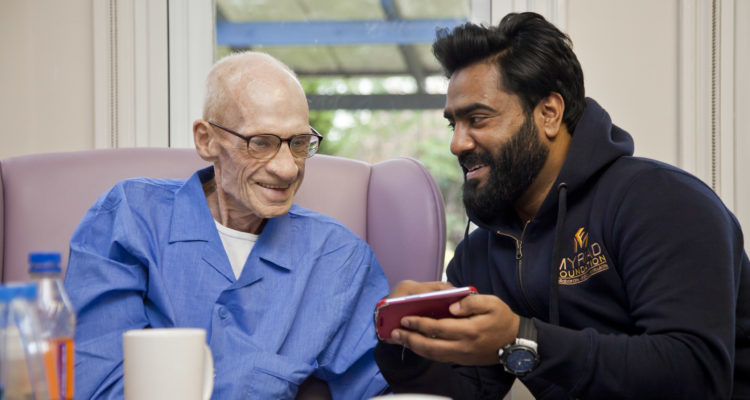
pixel 581 239
pixel 587 261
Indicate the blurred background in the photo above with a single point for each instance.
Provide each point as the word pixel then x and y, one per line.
pixel 85 74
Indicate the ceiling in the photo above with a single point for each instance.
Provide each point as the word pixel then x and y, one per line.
pixel 349 38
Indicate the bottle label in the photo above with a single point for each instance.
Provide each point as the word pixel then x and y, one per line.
pixel 58 366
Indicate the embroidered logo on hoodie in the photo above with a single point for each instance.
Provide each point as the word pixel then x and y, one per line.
pixel 587 261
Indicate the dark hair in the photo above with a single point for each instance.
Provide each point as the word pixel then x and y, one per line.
pixel 533 56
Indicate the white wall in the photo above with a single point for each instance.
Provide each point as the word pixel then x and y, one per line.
pixel 46 88
pixel 628 52
pixel 648 64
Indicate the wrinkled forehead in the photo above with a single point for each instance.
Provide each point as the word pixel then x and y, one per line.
pixel 265 96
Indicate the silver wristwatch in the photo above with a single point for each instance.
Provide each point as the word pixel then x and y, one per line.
pixel 520 357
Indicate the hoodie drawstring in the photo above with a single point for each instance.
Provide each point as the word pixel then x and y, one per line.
pixel 466 242
pixel 562 208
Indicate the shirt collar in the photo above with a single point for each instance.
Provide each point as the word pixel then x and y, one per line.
pixel 192 220
pixel 191 217
pixel 278 243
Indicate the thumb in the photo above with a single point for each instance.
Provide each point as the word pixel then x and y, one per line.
pixel 470 305
pixel 474 304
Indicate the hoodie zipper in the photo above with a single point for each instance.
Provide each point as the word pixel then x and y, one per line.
pixel 519 258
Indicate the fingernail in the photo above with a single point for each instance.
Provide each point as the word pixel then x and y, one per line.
pixel 396 335
pixel 405 323
pixel 455 308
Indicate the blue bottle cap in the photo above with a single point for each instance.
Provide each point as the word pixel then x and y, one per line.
pixel 44 263
pixel 27 291
pixel 6 294
pixel 51 257
pixel 17 290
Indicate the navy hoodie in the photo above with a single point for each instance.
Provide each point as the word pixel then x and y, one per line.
pixel 634 274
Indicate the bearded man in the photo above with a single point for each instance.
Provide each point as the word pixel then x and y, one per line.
pixel 601 275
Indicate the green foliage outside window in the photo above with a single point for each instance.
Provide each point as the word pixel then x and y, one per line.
pixel 375 135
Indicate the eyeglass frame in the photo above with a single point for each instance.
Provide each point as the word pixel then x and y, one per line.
pixel 281 141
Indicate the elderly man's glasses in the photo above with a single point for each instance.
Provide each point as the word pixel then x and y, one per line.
pixel 264 146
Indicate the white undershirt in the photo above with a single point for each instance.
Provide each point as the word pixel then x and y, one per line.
pixel 238 246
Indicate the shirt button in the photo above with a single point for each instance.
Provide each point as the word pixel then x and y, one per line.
pixel 222 313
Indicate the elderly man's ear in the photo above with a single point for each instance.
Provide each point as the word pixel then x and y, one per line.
pixel 205 141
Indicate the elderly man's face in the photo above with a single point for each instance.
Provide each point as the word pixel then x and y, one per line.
pixel 264 188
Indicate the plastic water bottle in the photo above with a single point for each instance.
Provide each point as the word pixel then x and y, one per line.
pixel 22 374
pixel 57 321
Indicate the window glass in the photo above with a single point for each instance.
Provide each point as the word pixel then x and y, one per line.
pixel 375 90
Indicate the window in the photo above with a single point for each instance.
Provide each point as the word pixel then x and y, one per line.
pixel 374 88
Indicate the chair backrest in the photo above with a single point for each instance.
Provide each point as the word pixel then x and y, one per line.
pixel 46 195
pixel 394 205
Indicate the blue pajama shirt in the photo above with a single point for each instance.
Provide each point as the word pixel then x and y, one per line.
pixel 147 254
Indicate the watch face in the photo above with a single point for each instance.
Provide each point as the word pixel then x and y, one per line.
pixel 520 361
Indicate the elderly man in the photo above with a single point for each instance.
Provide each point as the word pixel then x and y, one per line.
pixel 601 275
pixel 283 292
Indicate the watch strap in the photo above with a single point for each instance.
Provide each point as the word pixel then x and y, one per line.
pixel 526 329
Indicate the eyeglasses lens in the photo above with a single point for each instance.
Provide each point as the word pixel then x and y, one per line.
pixel 266 146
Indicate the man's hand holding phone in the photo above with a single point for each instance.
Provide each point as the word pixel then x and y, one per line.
pixel 434 304
pixel 477 326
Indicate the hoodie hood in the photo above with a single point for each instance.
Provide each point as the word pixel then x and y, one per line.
pixel 595 144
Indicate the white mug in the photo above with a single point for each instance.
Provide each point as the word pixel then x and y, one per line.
pixel 167 363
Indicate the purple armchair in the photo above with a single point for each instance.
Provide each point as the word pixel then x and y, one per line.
pixel 394 205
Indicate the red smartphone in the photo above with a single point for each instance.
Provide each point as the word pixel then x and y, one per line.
pixel 388 312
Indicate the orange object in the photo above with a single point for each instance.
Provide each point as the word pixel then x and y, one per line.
pixel 58 368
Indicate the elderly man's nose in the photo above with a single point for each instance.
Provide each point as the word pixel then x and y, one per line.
pixel 284 163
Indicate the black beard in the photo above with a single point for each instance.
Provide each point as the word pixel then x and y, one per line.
pixel 512 171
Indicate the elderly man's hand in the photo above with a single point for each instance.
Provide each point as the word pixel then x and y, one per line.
pixel 484 323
